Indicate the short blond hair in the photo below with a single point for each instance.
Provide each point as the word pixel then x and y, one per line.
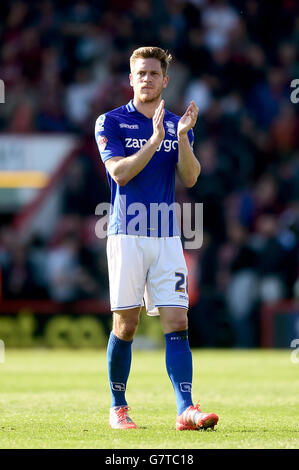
pixel 151 52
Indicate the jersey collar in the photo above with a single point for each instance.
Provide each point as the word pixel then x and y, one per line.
pixel 130 107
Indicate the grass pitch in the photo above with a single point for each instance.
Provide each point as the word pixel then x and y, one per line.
pixel 60 399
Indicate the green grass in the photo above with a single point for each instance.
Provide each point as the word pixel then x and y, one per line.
pixel 60 399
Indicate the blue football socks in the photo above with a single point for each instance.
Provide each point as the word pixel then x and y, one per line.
pixel 119 355
pixel 179 367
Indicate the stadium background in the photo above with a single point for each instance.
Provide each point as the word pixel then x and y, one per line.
pixel 64 64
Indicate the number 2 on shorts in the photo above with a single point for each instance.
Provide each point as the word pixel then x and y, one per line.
pixel 180 283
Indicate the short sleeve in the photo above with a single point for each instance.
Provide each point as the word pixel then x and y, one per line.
pixel 108 137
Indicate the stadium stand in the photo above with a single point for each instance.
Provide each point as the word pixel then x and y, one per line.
pixel 64 63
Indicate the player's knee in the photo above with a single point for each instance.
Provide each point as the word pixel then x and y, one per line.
pixel 178 324
pixel 127 332
pixel 130 328
pixel 126 328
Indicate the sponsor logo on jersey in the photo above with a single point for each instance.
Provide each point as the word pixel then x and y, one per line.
pixel 102 142
pixel 168 144
pixel 185 387
pixel 129 126
pixel 118 387
pixel 170 127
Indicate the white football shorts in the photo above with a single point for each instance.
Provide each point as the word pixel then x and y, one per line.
pixel 148 271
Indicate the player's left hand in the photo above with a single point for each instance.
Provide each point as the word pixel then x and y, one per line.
pixel 188 120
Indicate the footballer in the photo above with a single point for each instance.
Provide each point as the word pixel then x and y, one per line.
pixel 143 145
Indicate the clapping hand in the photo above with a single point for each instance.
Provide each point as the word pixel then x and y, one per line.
pixel 188 120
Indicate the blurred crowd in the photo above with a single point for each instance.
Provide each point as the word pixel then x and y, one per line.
pixel 64 63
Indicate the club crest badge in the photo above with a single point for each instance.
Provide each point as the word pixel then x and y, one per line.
pixel 170 127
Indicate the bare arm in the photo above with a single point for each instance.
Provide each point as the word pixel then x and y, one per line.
pixel 121 169
pixel 188 166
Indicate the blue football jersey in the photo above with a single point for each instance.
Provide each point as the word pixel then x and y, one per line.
pixel 145 205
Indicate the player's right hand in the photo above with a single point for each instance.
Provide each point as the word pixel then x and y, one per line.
pixel 158 127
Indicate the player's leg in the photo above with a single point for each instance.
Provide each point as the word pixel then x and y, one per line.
pixel 126 285
pixel 167 291
pixel 178 355
pixel 167 286
pixel 125 323
pixel 119 355
pixel 179 367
